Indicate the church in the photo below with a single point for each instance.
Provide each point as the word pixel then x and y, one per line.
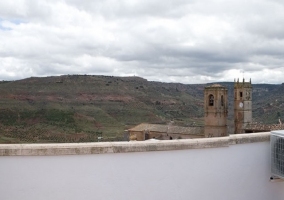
pixel 216 108
pixel 215 117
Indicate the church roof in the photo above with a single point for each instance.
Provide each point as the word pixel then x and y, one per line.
pixel 264 127
pixel 214 86
pixel 168 129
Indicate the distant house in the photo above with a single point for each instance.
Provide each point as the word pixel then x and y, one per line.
pixel 257 127
pixel 145 131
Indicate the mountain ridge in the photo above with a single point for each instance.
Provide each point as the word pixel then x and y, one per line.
pixel 81 108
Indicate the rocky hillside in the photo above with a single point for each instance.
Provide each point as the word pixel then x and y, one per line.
pixel 81 108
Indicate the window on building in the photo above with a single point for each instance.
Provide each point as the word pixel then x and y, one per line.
pixel 222 100
pixel 241 94
pixel 211 100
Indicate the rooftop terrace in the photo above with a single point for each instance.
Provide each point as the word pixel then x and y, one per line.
pixel 236 167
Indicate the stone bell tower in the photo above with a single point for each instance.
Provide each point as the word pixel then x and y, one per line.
pixel 242 105
pixel 216 110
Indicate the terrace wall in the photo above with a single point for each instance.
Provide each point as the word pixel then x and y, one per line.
pixel 235 167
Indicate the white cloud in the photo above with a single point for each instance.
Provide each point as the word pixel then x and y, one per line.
pixel 179 41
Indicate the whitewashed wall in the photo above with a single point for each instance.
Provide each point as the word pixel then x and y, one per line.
pixel 237 172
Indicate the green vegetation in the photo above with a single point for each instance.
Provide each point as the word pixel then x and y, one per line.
pixel 82 108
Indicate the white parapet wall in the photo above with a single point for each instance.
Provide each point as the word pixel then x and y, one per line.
pixel 236 167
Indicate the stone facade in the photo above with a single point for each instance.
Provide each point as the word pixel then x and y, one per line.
pixel 146 131
pixel 216 110
pixel 242 105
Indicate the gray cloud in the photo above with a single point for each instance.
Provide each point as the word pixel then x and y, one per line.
pixel 179 41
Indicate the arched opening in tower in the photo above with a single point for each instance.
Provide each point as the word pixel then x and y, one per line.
pixel 211 100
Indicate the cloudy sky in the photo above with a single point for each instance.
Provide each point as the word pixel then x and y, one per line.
pixel 187 41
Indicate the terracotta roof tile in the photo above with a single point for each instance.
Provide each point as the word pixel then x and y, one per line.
pixel 168 129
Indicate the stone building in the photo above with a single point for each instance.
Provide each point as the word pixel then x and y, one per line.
pixel 146 131
pixel 258 127
pixel 215 117
pixel 242 105
pixel 215 110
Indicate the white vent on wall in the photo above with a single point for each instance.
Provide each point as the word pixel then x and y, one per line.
pixel 277 153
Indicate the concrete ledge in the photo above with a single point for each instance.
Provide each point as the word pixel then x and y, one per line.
pixel 123 147
pixel 249 138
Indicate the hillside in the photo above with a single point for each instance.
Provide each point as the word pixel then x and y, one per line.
pixel 81 108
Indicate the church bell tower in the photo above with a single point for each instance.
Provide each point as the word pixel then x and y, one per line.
pixel 242 105
pixel 216 110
